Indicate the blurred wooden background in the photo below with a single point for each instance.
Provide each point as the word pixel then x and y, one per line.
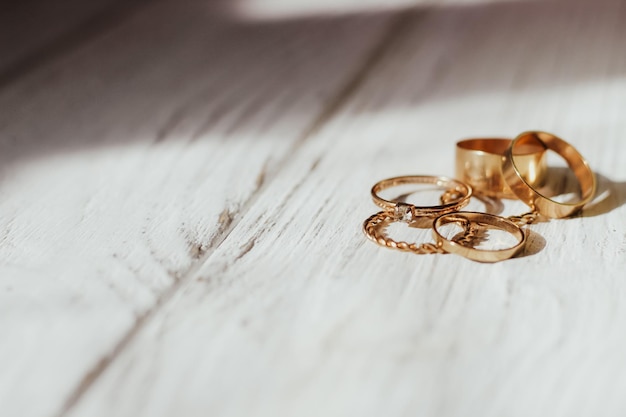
pixel 182 186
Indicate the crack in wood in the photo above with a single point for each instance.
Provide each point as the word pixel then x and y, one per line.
pixel 246 249
pixel 260 178
pixel 92 375
pixel 227 218
pixel 396 29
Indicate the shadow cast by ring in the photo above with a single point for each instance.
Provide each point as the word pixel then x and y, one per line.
pixel 610 195
pixel 535 243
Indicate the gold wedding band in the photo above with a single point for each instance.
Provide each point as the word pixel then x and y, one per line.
pixel 479 164
pixel 470 220
pixel 527 192
pixel 456 196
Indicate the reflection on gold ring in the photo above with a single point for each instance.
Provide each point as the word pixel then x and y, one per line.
pixel 479 163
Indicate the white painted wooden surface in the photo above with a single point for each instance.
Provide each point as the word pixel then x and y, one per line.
pixel 34 31
pixel 181 198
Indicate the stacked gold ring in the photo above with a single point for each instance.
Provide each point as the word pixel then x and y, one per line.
pixel 500 168
pixel 485 220
pixel 479 163
pixel 372 227
pixel 528 193
pixel 456 196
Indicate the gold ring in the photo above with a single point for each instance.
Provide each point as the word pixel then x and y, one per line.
pixel 456 196
pixel 479 163
pixel 470 220
pixel 372 229
pixel 527 192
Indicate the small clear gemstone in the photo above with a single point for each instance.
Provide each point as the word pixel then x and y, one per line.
pixel 403 212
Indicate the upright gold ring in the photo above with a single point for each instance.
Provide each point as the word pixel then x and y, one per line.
pixel 527 192
pixel 469 219
pixel 456 196
pixel 479 164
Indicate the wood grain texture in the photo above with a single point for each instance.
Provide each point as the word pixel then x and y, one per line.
pixel 177 248
pixel 128 161
pixel 33 32
pixel 271 10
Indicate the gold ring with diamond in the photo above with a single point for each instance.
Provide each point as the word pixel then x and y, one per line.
pixel 456 195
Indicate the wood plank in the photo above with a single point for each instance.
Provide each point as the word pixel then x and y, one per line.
pixel 271 10
pixel 297 314
pixel 126 163
pixel 34 32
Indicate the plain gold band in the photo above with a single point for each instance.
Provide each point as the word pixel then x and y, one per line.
pixel 483 220
pixel 529 194
pixel 458 192
pixel 479 164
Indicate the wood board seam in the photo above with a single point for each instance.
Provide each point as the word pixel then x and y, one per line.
pixel 229 220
